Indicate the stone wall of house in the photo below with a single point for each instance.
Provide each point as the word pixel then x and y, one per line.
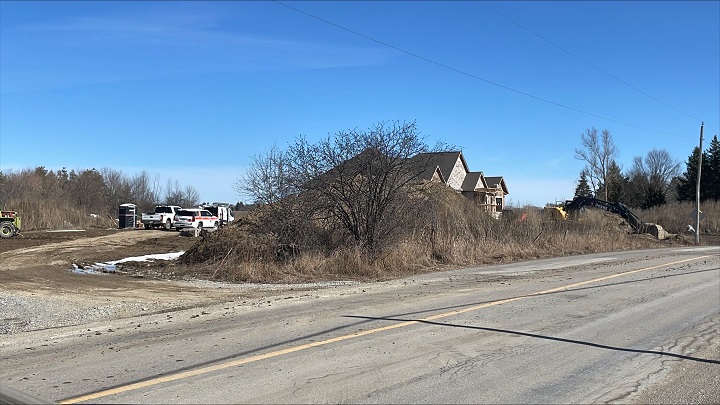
pixel 457 176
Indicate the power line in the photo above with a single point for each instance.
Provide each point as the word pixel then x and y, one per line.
pixel 472 75
pixel 586 62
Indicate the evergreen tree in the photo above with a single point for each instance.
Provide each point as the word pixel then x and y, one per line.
pixel 687 183
pixel 583 187
pixel 616 183
pixel 711 169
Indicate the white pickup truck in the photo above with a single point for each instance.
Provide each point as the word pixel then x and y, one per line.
pixel 163 216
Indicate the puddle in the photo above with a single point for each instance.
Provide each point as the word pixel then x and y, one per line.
pixel 97 268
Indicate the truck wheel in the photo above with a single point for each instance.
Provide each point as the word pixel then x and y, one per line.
pixel 7 230
pixel 168 225
pixel 147 226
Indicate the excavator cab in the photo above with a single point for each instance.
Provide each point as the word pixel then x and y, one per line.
pixel 555 211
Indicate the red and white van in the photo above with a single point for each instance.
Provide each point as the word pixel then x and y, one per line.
pixel 195 218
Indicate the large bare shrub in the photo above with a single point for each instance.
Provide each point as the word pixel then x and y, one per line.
pixel 354 181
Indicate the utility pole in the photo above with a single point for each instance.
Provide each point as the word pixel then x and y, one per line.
pixel 697 190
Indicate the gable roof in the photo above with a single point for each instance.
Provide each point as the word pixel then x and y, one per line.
pixel 443 160
pixel 427 171
pixel 472 179
pixel 497 182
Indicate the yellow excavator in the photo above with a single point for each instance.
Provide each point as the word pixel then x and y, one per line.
pixel 571 207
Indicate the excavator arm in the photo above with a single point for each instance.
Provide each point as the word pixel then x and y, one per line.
pixel 614 207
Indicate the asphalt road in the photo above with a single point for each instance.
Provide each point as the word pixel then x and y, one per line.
pixel 628 327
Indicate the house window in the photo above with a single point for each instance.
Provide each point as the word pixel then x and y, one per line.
pixel 499 203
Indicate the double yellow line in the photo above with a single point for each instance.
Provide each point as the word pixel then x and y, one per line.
pixel 251 359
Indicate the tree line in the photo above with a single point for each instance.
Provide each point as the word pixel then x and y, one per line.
pixel 47 198
pixel 652 180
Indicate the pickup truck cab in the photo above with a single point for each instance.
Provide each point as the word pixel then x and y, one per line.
pixel 163 216
pixel 195 218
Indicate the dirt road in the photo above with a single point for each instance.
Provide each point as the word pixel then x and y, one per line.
pixel 39 290
pixel 43 261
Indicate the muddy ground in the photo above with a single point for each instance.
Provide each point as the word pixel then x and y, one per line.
pixel 41 263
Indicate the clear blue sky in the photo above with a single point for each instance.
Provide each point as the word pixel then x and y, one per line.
pixel 514 84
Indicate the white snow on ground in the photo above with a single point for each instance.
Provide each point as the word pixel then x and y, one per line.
pixel 159 256
pixel 109 267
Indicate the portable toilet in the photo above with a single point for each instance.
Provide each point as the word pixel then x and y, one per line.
pixel 127 216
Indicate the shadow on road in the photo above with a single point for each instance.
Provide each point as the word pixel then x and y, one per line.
pixel 533 335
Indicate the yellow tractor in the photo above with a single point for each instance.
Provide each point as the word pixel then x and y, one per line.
pixel 9 224
pixel 570 208
pixel 555 211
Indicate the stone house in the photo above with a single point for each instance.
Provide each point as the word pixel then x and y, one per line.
pixel 451 168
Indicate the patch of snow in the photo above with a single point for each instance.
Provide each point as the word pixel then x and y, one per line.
pixel 159 256
pixel 110 267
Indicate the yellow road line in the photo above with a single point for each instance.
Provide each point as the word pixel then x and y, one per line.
pixel 251 359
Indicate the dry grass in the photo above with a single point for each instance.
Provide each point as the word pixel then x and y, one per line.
pixel 447 231
pixel 39 214
pixel 675 217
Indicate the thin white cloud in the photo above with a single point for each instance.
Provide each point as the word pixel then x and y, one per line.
pixel 203 33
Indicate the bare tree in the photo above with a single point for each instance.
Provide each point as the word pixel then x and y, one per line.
pixel 266 179
pixel 184 197
pixel 173 193
pixel 4 189
pixel 360 179
pixel 144 190
pixel 118 190
pixel 88 188
pixel 597 151
pixel 356 181
pixel 191 197
pixel 650 178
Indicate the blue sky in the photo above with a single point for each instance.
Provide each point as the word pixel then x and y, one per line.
pixel 513 84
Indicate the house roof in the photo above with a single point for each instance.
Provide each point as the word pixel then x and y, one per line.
pixel 445 161
pixel 497 182
pixel 472 180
